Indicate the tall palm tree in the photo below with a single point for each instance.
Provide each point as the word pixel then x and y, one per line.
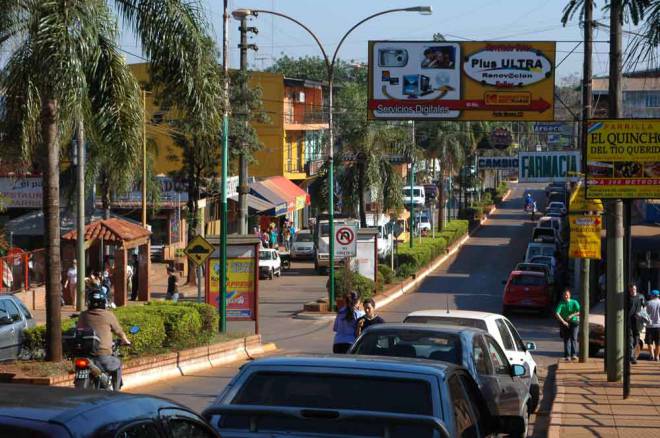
pixel 64 65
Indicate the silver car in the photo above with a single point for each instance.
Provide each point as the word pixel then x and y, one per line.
pixel 14 319
pixel 506 393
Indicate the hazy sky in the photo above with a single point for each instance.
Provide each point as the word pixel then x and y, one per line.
pixel 455 19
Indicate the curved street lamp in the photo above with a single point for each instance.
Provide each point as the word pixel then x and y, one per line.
pixel 330 67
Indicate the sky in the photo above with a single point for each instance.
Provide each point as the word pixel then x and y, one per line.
pixel 482 20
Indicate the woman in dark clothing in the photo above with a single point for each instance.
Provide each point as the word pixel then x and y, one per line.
pixel 370 318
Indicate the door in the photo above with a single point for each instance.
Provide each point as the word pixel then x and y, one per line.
pixel 10 334
pixel 520 347
pixel 513 355
pixel 487 381
pixel 507 398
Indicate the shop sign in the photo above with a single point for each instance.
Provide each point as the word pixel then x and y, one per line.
pixel 623 159
pixel 585 236
pixel 580 205
pixel 444 80
pixel 497 163
pixel 548 166
pixel 241 284
pixel 21 192
pixel 301 201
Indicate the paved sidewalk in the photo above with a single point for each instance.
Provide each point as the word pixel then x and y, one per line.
pixel 586 405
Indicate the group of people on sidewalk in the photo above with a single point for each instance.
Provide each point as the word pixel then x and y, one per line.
pixel 350 321
pixel 272 237
pixel 641 314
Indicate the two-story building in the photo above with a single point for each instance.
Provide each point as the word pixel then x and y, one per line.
pixel 641 95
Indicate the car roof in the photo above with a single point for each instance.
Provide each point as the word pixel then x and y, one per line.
pixel 453 330
pixel 355 362
pixel 59 404
pixel 528 273
pixel 452 313
pixel 539 244
pixel 530 264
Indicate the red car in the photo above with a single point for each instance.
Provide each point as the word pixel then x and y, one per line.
pixel 526 290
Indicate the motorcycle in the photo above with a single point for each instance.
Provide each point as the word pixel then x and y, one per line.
pixel 89 374
pixel 531 208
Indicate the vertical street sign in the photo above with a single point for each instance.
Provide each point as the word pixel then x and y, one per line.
pixel 345 241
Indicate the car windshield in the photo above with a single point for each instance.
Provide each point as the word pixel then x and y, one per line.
pixel 544 260
pixel 325 229
pixel 447 320
pixel 264 255
pixel 418 344
pixel 533 251
pixel 304 237
pixel 406 191
pixel 527 280
pixel 528 267
pixel 556 205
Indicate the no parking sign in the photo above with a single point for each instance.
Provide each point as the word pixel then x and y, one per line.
pixel 345 241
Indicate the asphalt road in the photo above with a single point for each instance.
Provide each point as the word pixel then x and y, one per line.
pixel 471 280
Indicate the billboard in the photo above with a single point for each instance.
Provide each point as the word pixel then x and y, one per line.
pixel 623 159
pixel 497 163
pixel 585 236
pixel 466 80
pixel 548 166
pixel 21 192
pixel 241 282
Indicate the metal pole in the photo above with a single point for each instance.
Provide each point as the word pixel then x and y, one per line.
pixel 144 159
pixel 615 286
pixel 243 188
pixel 223 170
pixel 331 190
pixel 199 284
pixel 412 205
pixel 586 115
pixel 80 223
pixel 626 307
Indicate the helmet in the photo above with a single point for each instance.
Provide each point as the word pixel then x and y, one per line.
pixel 655 293
pixel 96 299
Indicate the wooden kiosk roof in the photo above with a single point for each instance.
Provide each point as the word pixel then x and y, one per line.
pixel 114 230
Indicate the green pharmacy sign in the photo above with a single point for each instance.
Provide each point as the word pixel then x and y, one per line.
pixel 548 166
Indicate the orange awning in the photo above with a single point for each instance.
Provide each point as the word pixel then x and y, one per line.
pixel 295 197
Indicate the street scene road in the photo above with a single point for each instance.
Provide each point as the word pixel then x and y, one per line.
pixel 470 280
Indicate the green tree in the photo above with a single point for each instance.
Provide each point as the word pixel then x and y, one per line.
pixel 313 68
pixel 63 65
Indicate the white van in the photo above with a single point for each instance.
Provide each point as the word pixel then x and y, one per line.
pixel 418 197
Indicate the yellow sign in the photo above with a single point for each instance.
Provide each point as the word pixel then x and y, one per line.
pixel 623 159
pixel 463 80
pixel 585 236
pixel 301 200
pixel 241 286
pixel 579 204
pixel 198 250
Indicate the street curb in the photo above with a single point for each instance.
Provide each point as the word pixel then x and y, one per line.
pixel 555 419
pixel 315 316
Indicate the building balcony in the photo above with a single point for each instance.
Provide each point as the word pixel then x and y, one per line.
pixel 305 121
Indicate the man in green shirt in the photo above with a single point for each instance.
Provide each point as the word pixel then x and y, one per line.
pixel 568 315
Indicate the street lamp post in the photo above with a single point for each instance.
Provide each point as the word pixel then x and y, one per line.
pixel 330 68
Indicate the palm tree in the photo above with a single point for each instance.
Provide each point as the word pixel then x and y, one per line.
pixel 64 65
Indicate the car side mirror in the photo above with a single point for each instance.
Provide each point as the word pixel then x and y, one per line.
pixel 530 346
pixel 518 370
pixel 5 320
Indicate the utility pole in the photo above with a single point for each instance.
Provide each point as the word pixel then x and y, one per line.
pixel 223 170
pixel 412 183
pixel 586 115
pixel 144 159
pixel 80 222
pixel 614 215
pixel 243 187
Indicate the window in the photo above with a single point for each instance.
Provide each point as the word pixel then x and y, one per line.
pixel 520 345
pixel 463 322
pixel 466 422
pixel 146 429
pixel 25 310
pixel 414 344
pixel 507 341
pixel 9 309
pixel 497 357
pixel 185 428
pixel 480 356
pixel 527 280
pixel 653 101
pixel 304 237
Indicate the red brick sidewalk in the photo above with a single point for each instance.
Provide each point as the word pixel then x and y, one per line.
pixel 586 405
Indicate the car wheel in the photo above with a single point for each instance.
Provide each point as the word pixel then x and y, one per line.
pixel 523 424
pixel 534 393
pixel 270 274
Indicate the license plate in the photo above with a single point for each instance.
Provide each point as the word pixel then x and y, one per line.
pixel 82 374
pixel 527 302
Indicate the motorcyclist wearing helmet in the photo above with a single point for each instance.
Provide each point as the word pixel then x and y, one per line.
pixel 105 324
pixel 529 200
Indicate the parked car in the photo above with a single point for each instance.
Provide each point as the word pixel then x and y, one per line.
pixel 504 387
pixel 418 197
pixel 547 235
pixel 555 186
pixel 50 412
pixel 557 196
pixel 423 221
pixel 334 396
pixel 561 206
pixel 303 245
pixel 14 319
pixel 535 249
pixel 430 192
pixel 526 290
pixel 536 267
pixel 549 261
pixel 270 264
pixel 498 326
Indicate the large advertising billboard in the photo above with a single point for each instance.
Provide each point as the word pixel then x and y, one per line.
pixel 623 159
pixel 548 166
pixel 443 80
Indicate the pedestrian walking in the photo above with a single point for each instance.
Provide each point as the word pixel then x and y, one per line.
pixel 286 238
pixel 135 280
pixel 71 282
pixel 653 328
pixel 273 238
pixel 369 318
pixel 265 239
pixel 346 323
pixel 129 277
pixel 568 315
pixel 172 285
pixel 636 320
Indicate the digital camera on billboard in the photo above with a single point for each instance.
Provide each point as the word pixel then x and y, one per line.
pixel 392 57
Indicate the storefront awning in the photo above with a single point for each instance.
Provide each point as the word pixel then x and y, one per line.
pixel 295 197
pixel 260 191
pixel 257 205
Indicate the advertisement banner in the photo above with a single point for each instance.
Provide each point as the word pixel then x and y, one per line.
pixel 585 237
pixel 466 80
pixel 497 163
pixel 623 159
pixel 241 287
pixel 548 166
pixel 21 192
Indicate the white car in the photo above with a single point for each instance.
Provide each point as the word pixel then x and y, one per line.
pixel 537 249
pixel 303 245
pixel 550 222
pixel 498 326
pixel 423 222
pixel 270 264
pixel 418 197
pixel 557 206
